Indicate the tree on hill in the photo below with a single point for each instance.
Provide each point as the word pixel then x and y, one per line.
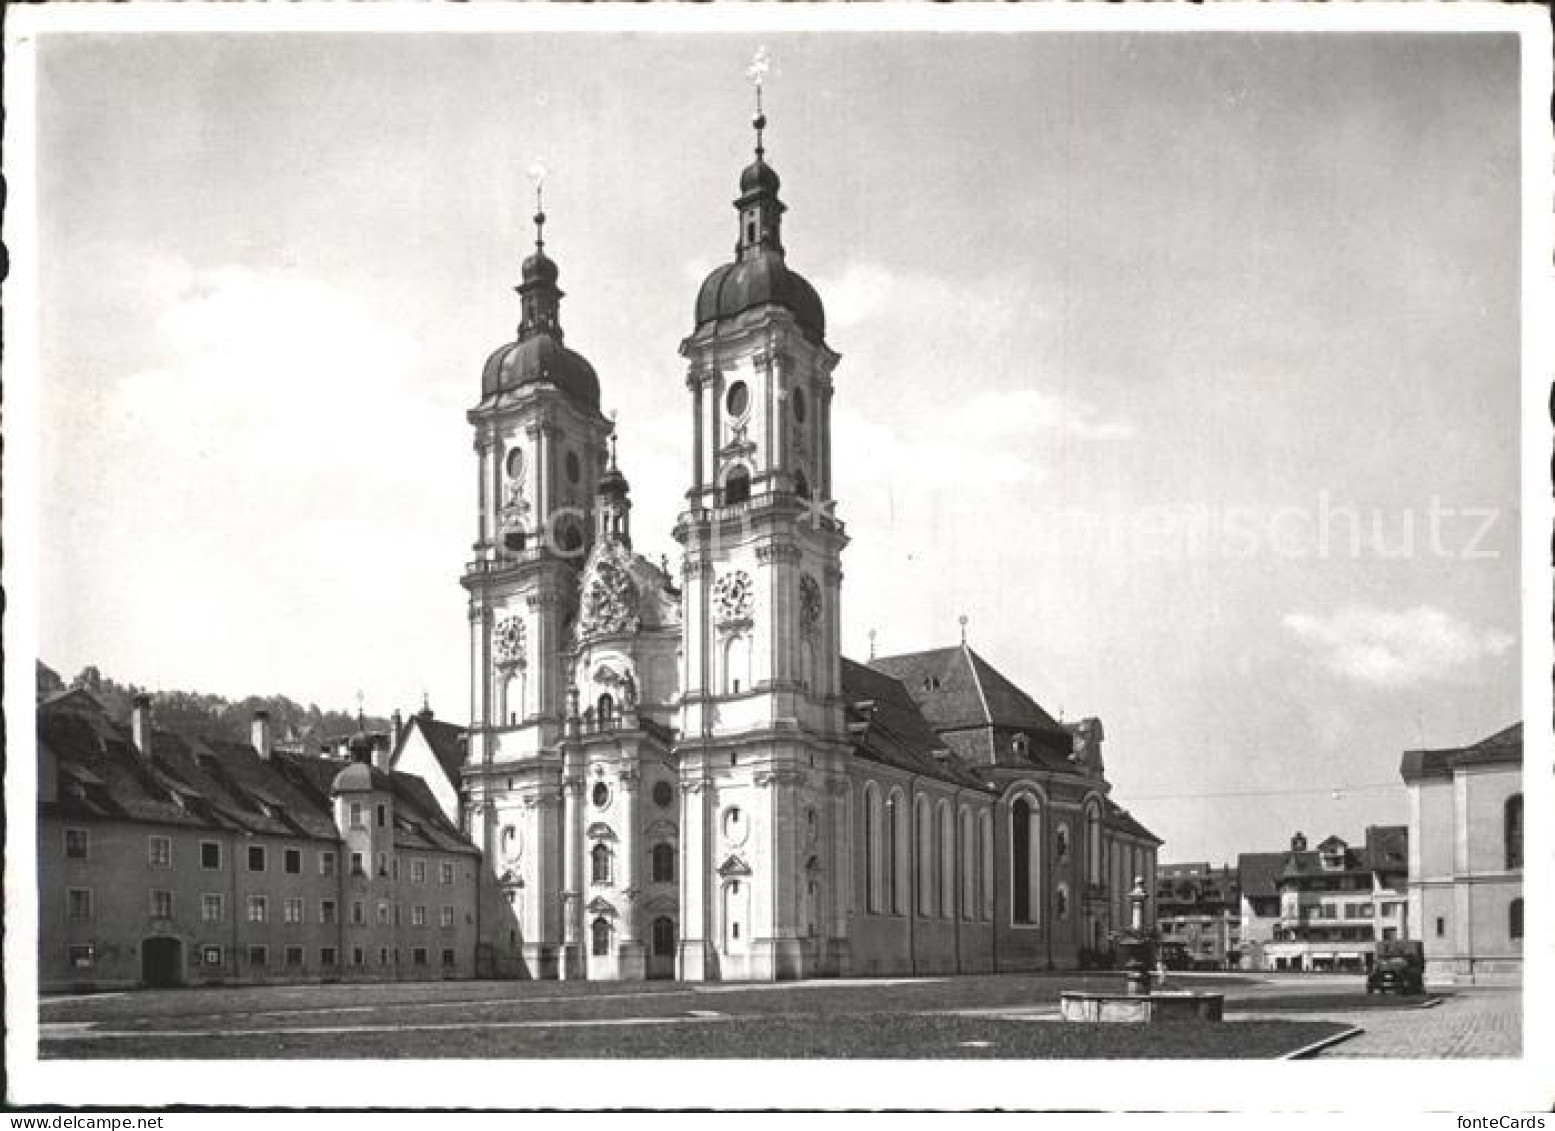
pixel 196 714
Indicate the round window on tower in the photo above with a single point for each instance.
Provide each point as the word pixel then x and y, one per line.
pixel 663 794
pixel 738 399
pixel 800 408
pixel 574 468
pixel 601 794
pixel 516 463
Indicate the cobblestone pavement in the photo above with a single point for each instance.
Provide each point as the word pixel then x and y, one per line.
pixel 1472 1022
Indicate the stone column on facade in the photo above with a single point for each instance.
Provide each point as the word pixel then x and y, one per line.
pixel 538 437
pixel 631 956
pixel 572 965
pixel 839 873
pixel 694 383
pixel 823 452
pixel 483 503
pixel 695 960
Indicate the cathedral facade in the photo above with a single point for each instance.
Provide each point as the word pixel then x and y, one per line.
pixel 676 773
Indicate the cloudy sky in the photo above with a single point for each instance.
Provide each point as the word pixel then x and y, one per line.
pixel 1184 365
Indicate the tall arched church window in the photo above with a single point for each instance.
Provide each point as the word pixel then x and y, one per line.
pixel 1514 831
pixel 1093 860
pixel 1025 862
pixel 871 849
pixel 947 862
pixel 801 485
pixel 968 853
pixel 896 853
pixel 663 864
pixel 664 937
pixel 737 662
pixel 600 930
pixel 985 864
pixel 925 862
pixel 599 864
pixel 606 708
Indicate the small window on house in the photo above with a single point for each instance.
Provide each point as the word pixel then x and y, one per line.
pixel 291 861
pixel 448 958
pixel 358 867
pixel 358 815
pixel 210 855
pixel 161 905
pixel 79 903
pixel 294 956
pixel 358 956
pixel 326 911
pixel 212 907
pixel 1441 927
pixel 258 956
pixel 446 872
pixel 445 917
pixel 291 911
pixel 77 843
pixel 326 863
pixel 81 956
pixel 358 913
pixel 159 851
pixel 418 956
pixel 210 956
pixel 383 864
pixel 418 871
pixel 328 956
pixel 256 858
pixel 258 909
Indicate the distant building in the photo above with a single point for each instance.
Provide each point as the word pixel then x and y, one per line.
pixel 1322 909
pixel 432 750
pixel 1199 913
pixel 1466 857
pixel 165 860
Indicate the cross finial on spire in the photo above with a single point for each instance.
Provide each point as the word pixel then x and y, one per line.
pixel 761 63
pixel 537 174
pixel 871 644
pixel 962 620
pixel 612 448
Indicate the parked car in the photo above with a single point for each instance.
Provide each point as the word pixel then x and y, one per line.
pixel 1400 967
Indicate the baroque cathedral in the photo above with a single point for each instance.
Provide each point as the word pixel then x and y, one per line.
pixel 678 773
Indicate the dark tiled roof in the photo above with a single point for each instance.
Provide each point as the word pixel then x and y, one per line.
pixel 208 783
pixel 889 728
pixel 446 741
pixel 1258 873
pixel 956 688
pixel 1125 822
pixel 1503 747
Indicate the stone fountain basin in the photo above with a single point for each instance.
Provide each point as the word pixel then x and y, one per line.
pixel 1163 1005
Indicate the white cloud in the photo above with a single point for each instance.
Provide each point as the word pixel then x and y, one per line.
pixel 1396 649
pixel 1029 411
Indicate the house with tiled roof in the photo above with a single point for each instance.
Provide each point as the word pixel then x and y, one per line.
pixel 432 750
pixel 172 860
pixel 1324 908
pixel 1198 913
pixel 1465 875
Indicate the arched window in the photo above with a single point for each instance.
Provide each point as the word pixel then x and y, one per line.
pixel 801 485
pixel 1093 860
pixel 985 863
pixel 737 653
pixel 925 863
pixel 600 930
pixel 1061 902
pixel 1513 824
pixel 871 849
pixel 599 858
pixel 947 862
pixel 1514 919
pixel 1025 862
pixel 663 864
pixel 606 710
pixel 737 486
pixel 968 865
pixel 896 853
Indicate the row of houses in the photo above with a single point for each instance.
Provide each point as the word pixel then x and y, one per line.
pixel 1452 878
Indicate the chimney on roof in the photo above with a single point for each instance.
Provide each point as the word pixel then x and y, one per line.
pixel 396 728
pixel 140 723
pixel 1298 843
pixel 260 735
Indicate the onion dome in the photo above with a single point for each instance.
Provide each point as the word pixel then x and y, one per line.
pixel 361 777
pixel 760 273
pixel 612 482
pixel 537 354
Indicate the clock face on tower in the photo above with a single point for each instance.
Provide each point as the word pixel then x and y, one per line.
pixel 508 640
pixel 732 597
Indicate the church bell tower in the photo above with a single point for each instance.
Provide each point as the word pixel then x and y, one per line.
pixel 540 443
pixel 762 738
